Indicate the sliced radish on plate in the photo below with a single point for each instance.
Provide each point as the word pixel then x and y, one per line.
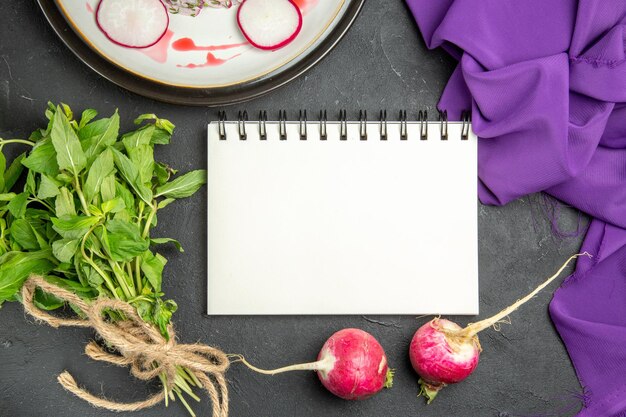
pixel 132 23
pixel 269 24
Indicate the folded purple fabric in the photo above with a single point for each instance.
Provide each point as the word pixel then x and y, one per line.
pixel 546 82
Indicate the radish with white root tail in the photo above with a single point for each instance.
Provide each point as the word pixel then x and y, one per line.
pixel 442 352
pixel 132 23
pixel 352 365
pixel 269 24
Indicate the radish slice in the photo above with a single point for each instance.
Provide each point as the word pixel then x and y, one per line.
pixel 132 23
pixel 269 24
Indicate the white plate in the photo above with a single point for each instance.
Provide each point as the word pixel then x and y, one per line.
pixel 223 58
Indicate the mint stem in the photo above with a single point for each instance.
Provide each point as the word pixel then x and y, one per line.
pixel 146 228
pixel 22 141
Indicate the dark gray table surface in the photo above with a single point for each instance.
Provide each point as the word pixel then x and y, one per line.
pixel 381 63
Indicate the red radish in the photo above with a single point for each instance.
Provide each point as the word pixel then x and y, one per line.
pixel 443 353
pixel 132 23
pixel 269 24
pixel 440 361
pixel 352 365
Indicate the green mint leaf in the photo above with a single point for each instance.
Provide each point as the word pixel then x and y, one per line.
pixel 143 158
pixel 37 135
pixel 162 173
pixel 38 230
pixel 64 203
pixel 161 137
pixel 86 274
pixel 140 152
pixel 162 314
pixel 130 173
pixel 73 227
pixel 7 196
pixel 107 188
pixel 15 267
pixel 17 206
pixel 125 194
pixel 102 241
pixel 113 206
pixel 102 167
pixel 67 111
pixel 3 167
pixel 123 215
pixel 78 288
pixel 31 185
pixel 37 214
pixel 160 123
pixel 12 174
pixel 64 249
pixel 70 155
pixel 23 234
pixel 87 116
pixel 43 158
pixel 45 301
pixel 65 179
pixel 48 187
pixel 164 240
pixel 52 108
pixel 96 136
pixel 165 203
pixel 125 241
pixel 141 136
pixel 152 266
pixel 95 211
pixel 183 186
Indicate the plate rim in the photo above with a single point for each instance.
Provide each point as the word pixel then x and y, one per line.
pixel 198 96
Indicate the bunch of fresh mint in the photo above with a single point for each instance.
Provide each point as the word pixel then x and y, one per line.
pixel 84 214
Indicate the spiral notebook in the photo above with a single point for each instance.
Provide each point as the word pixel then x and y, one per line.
pixel 321 217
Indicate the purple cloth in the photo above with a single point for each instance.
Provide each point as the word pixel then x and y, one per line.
pixel 546 82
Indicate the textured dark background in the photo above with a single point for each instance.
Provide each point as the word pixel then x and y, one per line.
pixel 381 63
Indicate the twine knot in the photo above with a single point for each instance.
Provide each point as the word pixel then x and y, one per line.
pixel 140 345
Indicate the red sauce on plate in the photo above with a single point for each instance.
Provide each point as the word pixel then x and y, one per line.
pixel 158 51
pixel 187 44
pixel 211 61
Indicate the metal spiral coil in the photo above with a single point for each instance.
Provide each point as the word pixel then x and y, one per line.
pixel 241 125
pixel 343 125
pixel 221 125
pixel 363 124
pixel 263 125
pixel 403 126
pixel 466 118
pixel 323 120
pixel 282 124
pixel 443 121
pixel 422 117
pixel 302 124
pixel 422 120
pixel 383 125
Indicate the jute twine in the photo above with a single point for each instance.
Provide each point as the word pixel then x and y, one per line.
pixel 141 346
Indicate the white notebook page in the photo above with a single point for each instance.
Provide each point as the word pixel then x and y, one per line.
pixel 342 227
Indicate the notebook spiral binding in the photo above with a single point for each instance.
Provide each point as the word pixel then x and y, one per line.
pixel 422 119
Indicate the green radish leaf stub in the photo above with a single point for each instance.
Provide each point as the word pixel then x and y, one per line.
pixel 428 391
